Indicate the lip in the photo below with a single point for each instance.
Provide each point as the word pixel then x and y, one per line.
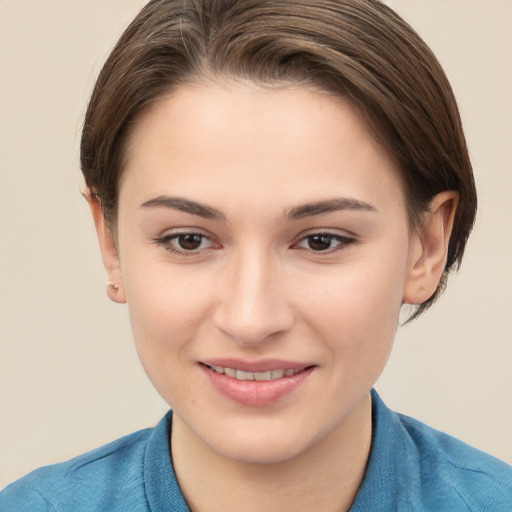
pixel 263 365
pixel 253 393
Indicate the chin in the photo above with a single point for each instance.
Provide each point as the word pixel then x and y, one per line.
pixel 260 452
pixel 261 442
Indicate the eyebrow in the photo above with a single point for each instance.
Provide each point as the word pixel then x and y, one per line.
pixel 184 205
pixel 297 213
pixel 329 206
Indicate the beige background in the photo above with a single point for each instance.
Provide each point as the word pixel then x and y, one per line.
pixel 69 376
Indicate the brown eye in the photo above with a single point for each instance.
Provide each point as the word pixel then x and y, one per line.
pixel 319 242
pixel 325 242
pixel 189 241
pixel 186 244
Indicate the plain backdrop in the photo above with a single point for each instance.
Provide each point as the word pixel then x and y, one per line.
pixel 69 376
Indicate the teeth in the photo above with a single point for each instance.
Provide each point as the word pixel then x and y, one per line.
pixel 258 376
pixel 241 375
pixel 277 374
pixel 263 375
pixel 229 372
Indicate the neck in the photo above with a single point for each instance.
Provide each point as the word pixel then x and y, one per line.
pixel 325 477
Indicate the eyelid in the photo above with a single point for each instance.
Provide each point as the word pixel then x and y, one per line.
pixel 341 233
pixel 183 231
pixel 164 240
pixel 345 239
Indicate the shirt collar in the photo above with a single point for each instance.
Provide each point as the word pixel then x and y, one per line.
pixel 388 479
pixel 387 482
pixel 160 482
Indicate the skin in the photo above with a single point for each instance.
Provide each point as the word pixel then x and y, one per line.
pixel 257 287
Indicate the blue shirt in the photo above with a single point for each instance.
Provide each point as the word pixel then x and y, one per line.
pixel 412 467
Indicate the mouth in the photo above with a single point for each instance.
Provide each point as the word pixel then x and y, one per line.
pixel 267 375
pixel 256 385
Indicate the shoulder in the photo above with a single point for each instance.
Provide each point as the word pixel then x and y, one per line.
pixel 451 470
pixel 109 474
pixel 413 467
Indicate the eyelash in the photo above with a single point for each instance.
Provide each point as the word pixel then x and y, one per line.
pixel 343 242
pixel 166 242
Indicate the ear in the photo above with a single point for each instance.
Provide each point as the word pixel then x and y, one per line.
pixel 109 254
pixel 428 249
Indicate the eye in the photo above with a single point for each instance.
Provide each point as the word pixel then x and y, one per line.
pixel 185 243
pixel 325 242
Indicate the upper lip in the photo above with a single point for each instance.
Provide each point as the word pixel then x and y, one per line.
pixel 263 365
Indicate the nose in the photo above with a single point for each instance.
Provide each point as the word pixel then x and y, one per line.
pixel 252 306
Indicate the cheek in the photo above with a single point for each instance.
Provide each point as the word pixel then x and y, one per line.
pixel 363 294
pixel 356 308
pixel 167 310
pixel 163 299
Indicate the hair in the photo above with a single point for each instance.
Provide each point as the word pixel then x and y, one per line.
pixel 360 50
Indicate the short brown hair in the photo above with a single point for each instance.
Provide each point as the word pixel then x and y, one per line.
pixel 358 49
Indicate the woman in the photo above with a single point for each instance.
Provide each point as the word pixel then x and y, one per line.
pixel 271 181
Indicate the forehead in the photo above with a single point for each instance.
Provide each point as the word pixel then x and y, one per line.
pixel 284 145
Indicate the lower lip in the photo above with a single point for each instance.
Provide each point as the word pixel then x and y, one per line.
pixel 252 393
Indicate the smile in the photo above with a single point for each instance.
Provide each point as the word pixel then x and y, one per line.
pixel 258 376
pixel 258 384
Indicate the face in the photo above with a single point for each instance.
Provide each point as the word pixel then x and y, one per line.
pixel 264 251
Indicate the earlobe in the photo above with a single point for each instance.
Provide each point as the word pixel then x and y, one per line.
pixel 109 254
pixel 429 248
